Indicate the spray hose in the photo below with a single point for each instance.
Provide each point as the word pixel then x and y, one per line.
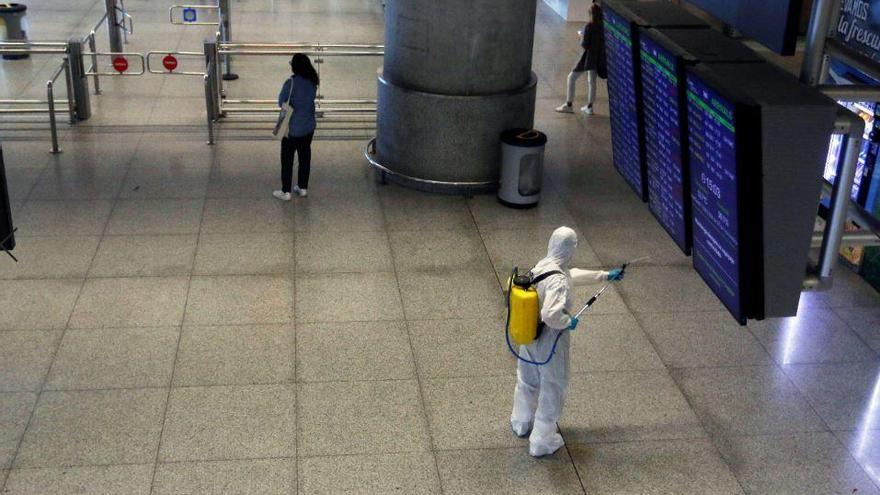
pixel 586 307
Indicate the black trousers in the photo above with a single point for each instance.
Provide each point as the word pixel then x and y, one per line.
pixel 290 146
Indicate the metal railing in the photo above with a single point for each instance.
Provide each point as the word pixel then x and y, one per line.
pixel 151 66
pixel 9 47
pixel 351 110
pixel 47 106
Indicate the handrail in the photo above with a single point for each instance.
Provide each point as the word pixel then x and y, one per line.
pixel 318 45
pixel 151 70
pixel 128 55
pixel 370 151
pixel 50 94
pixel 311 53
pixel 97 26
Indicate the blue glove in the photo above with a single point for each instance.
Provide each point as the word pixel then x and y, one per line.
pixel 616 275
pixel 574 323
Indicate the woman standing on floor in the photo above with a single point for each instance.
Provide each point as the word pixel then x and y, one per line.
pixel 299 91
pixel 592 62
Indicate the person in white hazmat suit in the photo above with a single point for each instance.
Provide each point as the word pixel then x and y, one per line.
pixel 540 390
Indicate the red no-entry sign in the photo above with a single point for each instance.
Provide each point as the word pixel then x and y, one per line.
pixel 120 64
pixel 169 62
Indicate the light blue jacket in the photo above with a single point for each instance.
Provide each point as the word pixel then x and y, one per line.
pixel 303 121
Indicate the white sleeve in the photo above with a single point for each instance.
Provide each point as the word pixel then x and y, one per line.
pixel 553 308
pixel 587 277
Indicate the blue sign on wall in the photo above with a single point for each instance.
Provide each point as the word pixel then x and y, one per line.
pixel 859 26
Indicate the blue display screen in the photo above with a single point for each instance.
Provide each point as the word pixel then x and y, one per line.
pixel 714 185
pixel 663 139
pixel 622 98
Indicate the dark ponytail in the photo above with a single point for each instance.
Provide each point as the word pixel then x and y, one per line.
pixel 302 66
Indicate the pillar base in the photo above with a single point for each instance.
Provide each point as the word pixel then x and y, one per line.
pixel 447 143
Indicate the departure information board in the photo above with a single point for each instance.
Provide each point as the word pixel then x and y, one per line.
pixel 623 100
pixel 714 181
pixel 668 191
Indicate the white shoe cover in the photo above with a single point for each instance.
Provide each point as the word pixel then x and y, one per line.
pixel 521 428
pixel 545 439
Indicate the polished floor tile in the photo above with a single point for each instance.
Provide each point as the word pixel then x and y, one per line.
pixel 747 401
pixel 218 423
pixel 470 413
pixel 25 357
pixel 235 216
pixel 245 254
pixel 130 302
pixel 347 297
pixel 15 411
pixel 114 358
pixel 131 479
pixel 244 476
pixel 37 304
pixel 686 467
pixel 450 294
pixel 506 471
pixel 804 464
pixel 63 218
pixel 460 348
pixel 343 252
pixel 144 256
pixel 697 340
pixel 344 418
pixel 612 342
pixel 411 473
pixel 235 300
pixel 439 250
pixel 347 352
pixel 51 257
pixel 814 336
pixel 627 406
pixel 844 395
pixel 93 428
pixel 235 355
pixel 156 216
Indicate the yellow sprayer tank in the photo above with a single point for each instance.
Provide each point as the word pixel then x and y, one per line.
pixel 524 315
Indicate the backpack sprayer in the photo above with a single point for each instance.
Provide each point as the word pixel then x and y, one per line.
pixel 524 313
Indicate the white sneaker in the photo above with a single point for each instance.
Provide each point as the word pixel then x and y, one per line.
pixel 283 196
pixel 300 192
pixel 564 108
pixel 588 110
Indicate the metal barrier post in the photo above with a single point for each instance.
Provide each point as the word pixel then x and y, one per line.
pixel 50 95
pixel 78 80
pixel 115 27
pixel 209 103
pixel 226 36
pixel 212 63
pixel 817 35
pixel 854 127
pixel 71 103
pixel 93 48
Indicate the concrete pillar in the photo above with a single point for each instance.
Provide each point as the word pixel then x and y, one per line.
pixel 457 73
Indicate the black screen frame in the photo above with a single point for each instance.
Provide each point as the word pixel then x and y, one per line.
pixel 6 227
pixel 749 170
pixel 682 62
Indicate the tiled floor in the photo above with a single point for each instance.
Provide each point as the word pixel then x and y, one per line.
pixel 171 328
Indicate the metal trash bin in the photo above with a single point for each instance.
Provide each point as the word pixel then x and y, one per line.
pixel 13 25
pixel 522 167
